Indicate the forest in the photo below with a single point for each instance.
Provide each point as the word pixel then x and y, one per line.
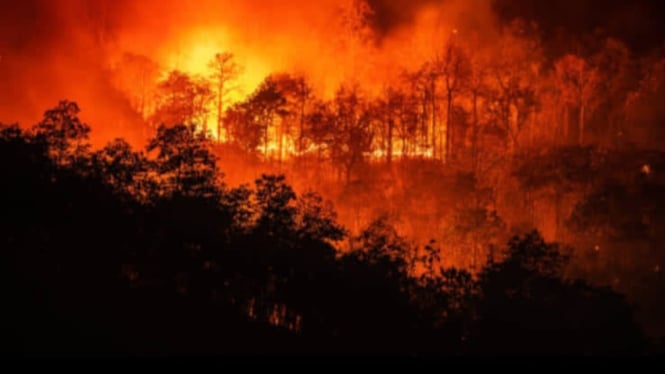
pixel 498 192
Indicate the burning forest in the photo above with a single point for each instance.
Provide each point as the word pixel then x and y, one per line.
pixel 430 177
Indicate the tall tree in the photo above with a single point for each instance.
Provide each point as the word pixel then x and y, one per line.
pixel 476 87
pixel 243 128
pixel 515 70
pixel 297 94
pixel 618 78
pixel 182 99
pixel 579 84
pixel 63 132
pixel 453 65
pixel 185 162
pixel 352 136
pixel 225 72
pixel 137 76
pixel 266 105
pixel 125 170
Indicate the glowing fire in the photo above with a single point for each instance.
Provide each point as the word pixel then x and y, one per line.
pixel 193 54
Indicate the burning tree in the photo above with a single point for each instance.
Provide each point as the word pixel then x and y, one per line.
pixel 579 84
pixel 453 65
pixel 514 72
pixel 184 162
pixel 225 72
pixel 344 129
pixel 63 132
pixel 182 100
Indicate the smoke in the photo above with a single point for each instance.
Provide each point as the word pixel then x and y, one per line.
pixel 53 50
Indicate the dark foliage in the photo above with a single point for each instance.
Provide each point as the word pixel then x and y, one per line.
pixel 121 251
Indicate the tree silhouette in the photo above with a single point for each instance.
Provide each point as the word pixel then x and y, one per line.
pixel 454 67
pixel 348 131
pixel 264 107
pixel 579 84
pixel 63 132
pixel 184 162
pixel 182 100
pixel 297 95
pixel 524 294
pixel 136 75
pixel 124 169
pixel 514 71
pixel 316 219
pixel 225 72
pixel 243 127
pixel 276 202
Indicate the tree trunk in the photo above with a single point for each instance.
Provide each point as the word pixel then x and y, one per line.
pixel 434 127
pixel 301 137
pixel 220 112
pixel 424 131
pixel 281 143
pixel 449 128
pixel 582 109
pixel 389 158
pixel 267 139
pixel 474 140
pixel 566 124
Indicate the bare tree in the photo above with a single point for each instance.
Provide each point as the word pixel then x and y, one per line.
pixel 137 76
pixel 579 84
pixel 297 94
pixel 515 70
pixel 225 72
pixel 266 105
pixel 182 99
pixel 453 66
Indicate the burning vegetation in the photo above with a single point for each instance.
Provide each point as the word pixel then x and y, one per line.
pixel 319 174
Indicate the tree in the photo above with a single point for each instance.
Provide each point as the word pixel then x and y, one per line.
pixel 124 169
pixel 476 86
pixel 350 129
pixel 644 114
pixel 276 203
pixel 617 79
pixel 579 84
pixel 243 127
pixel 137 75
pixel 558 172
pixel 64 133
pixel 184 162
pixel 316 219
pixel 225 71
pixel 526 305
pixel 516 66
pixel 427 79
pixel 381 241
pixel 383 119
pixel 454 68
pixel 298 95
pixel 406 107
pixel 264 107
pixel 182 99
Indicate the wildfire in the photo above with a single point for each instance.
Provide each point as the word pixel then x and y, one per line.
pixel 193 53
